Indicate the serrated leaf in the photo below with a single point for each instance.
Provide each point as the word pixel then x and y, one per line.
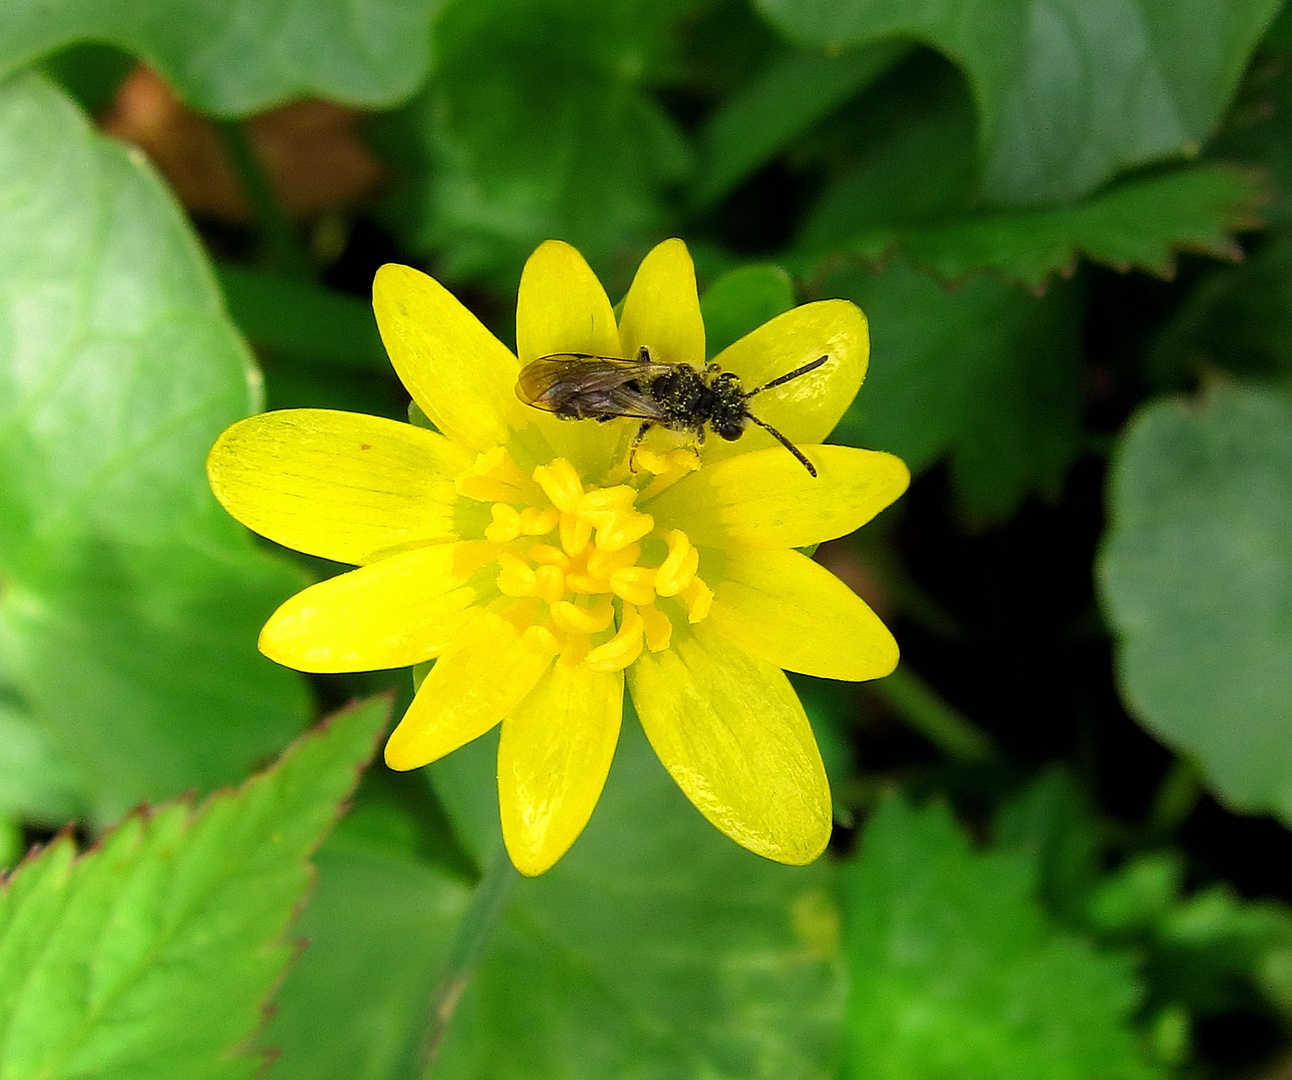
pixel 235 57
pixel 985 374
pixel 956 972
pixel 655 948
pixel 131 602
pixel 152 954
pixel 537 124
pixel 356 1003
pixel 1196 573
pixel 1070 92
pixel 1140 224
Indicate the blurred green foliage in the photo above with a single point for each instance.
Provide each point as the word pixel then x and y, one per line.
pixel 1069 227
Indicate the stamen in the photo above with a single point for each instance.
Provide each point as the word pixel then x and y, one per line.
pixel 536 522
pixel 634 584
pixel 494 477
pixel 679 566
pixel 658 627
pixel 549 583
pixel 625 529
pixel 698 598
pixel 548 555
pixel 622 649
pixel 602 563
pixel 505 526
pixel 561 484
pixel 575 533
pixel 580 620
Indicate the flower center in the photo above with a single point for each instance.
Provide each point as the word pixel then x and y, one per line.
pixel 581 571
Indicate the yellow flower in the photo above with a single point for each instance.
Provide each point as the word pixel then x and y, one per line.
pixel 518 551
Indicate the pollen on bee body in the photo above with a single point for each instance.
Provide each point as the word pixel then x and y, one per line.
pixel 569 564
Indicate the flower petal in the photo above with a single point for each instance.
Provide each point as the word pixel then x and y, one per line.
pixel 393 613
pixel 485 674
pixel 781 606
pixel 460 375
pixel 662 309
pixel 562 307
pixel 731 731
pixel 339 485
pixel 806 408
pixel 767 498
pixel 553 758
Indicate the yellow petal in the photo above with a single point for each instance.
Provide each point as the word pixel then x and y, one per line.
pixel 485 674
pixel 662 309
pixel 460 375
pixel 806 408
pixel 562 307
pixel 731 731
pixel 781 606
pixel 767 498
pixel 393 613
pixel 553 758
pixel 339 485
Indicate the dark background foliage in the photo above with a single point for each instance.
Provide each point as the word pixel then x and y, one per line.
pixel 1061 845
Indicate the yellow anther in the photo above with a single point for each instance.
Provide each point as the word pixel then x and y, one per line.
pixel 505 525
pixel 680 459
pixel 679 565
pixel 601 506
pixel 634 583
pixel 549 583
pixel 698 598
pixel 514 577
pixel 580 620
pixel 586 584
pixel 541 639
pixel 547 555
pixel 536 522
pixel 560 483
pixel 494 477
pixel 627 528
pixel 601 564
pixel 658 627
pixel 575 533
pixel 622 649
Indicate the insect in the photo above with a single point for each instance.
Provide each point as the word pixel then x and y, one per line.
pixel 579 386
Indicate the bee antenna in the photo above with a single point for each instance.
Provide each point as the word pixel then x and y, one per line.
pixel 784 441
pixel 780 379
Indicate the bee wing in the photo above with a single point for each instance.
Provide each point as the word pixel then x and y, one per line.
pixel 576 382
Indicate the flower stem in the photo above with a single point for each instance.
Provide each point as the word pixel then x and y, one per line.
pixel 478 921
pixel 1177 797
pixel 924 710
pixel 282 249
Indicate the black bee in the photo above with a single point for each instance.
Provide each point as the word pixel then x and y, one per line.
pixel 578 386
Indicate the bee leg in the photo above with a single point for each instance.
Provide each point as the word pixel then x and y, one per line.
pixel 637 441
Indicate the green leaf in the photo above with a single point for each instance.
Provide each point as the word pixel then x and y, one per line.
pixel 34 783
pixel 356 1002
pixel 986 374
pixel 303 321
pixel 538 124
pixel 1070 92
pixel 1139 224
pixel 796 91
pixel 1196 573
pixel 741 301
pixel 152 954
pixel 956 972
pixel 235 57
pixel 656 947
pixel 130 602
